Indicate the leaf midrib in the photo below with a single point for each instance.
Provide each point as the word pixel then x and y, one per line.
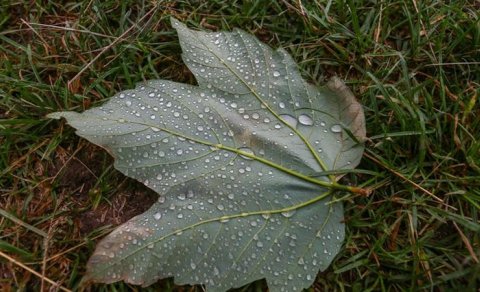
pixel 333 185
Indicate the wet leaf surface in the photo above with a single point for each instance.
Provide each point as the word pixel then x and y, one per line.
pixel 236 163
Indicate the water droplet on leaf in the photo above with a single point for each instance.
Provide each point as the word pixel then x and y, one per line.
pixel 336 128
pixel 289 120
pixel 247 151
pixel 288 214
pixel 305 120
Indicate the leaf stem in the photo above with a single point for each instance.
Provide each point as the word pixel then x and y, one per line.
pixel 331 185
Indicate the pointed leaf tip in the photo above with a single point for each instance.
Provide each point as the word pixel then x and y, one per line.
pixel 59 115
pixel 176 24
pixel 54 116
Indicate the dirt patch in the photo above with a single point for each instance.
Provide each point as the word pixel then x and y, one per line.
pixel 77 175
pixel 76 172
pixel 124 206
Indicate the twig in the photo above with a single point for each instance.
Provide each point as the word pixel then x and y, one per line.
pixel 404 178
pixel 56 27
pixel 379 26
pixel 467 242
pixel 35 32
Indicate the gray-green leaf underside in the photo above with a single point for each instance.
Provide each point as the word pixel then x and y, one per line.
pixel 237 164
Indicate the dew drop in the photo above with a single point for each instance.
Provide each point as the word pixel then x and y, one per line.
pixel 248 151
pixel 336 128
pixel 276 73
pixel 305 120
pixel 301 261
pixel 288 214
pixel 289 120
pixel 157 216
pixel 281 105
pixel 128 103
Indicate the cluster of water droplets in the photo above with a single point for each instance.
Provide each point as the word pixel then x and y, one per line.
pixel 222 217
pixel 230 252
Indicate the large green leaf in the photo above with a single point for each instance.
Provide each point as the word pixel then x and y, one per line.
pixel 239 163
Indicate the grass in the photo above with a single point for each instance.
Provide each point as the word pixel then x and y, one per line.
pixel 414 65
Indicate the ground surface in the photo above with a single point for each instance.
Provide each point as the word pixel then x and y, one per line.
pixel 414 65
